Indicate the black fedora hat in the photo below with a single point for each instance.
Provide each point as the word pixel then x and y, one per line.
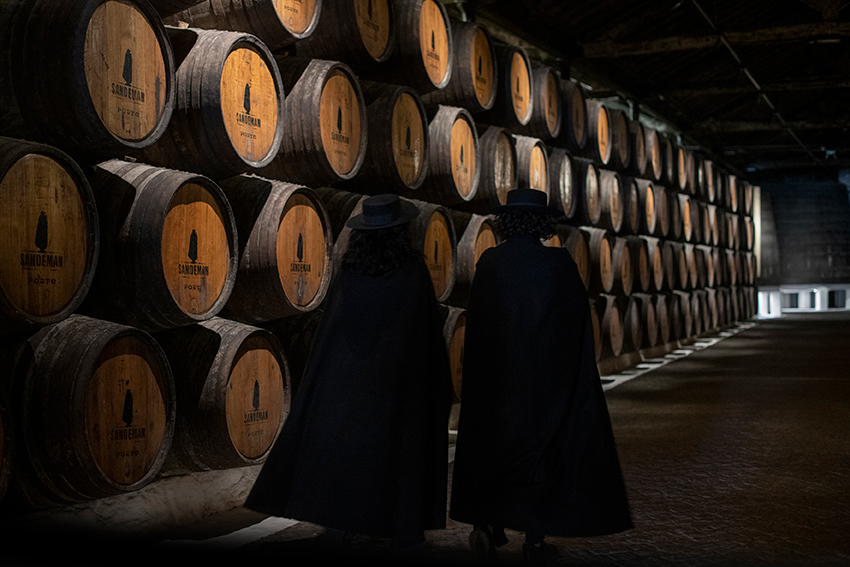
pixel 383 211
pixel 528 200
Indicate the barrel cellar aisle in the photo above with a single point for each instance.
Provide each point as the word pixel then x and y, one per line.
pixel 171 226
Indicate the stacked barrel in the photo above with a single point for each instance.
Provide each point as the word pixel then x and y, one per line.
pixel 177 175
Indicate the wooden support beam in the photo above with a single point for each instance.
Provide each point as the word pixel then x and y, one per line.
pixel 732 126
pixel 795 86
pixel 802 32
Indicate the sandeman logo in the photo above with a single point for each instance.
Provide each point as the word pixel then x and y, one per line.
pixel 257 414
pixel 338 136
pixel 128 432
pixel 193 268
pixel 245 118
pixel 299 266
pixel 479 76
pixel 41 258
pixel 126 90
pixel 432 53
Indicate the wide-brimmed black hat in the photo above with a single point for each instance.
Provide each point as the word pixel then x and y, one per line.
pixel 383 211
pixel 529 200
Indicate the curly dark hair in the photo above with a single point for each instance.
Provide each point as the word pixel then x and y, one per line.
pixel 523 223
pixel 379 251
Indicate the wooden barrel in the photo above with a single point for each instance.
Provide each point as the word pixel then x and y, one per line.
pixel 169 247
pixel 668 259
pixel 611 327
pixel 229 117
pixel 547 110
pixel 476 235
pixel 701 265
pixel 611 199
pixel 574 123
pixel 397 153
pixel 698 312
pixel 454 167
pixel 646 305
pixel 285 249
pixel 748 192
pixel 600 246
pixel 662 318
pixel 562 193
pixel 709 254
pixel 704 223
pixel 712 316
pixel 686 215
pixel 433 232
pixel 599 145
pixel 655 262
pixel 620 137
pixel 685 313
pixel 532 163
pixel 680 267
pixel 454 332
pixel 360 34
pixel 654 161
pixel 633 324
pixel 233 394
pixel 325 115
pixel 710 181
pixel 662 208
pixel 576 242
pixel 631 206
pixel 423 53
pixel 277 23
pixel 587 191
pixel 621 265
pixel 597 327
pixel 95 409
pixel 668 160
pixel 473 81
pixel 497 154
pixel 642 269
pixel 638 155
pixel 691 263
pixel 746 232
pixel 730 192
pixel 674 210
pixel 647 207
pixel 713 225
pixel 684 171
pixel 111 61
pixel 51 236
pixel 514 102
pixel 339 206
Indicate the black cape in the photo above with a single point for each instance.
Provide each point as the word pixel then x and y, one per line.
pixel 365 447
pixel 535 448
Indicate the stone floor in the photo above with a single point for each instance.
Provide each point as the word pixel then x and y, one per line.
pixel 738 454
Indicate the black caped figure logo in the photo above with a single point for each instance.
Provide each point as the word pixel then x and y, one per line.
pixel 41 232
pixel 433 46
pixel 339 119
pixel 407 138
pixel 256 401
pixel 299 253
pixel 369 9
pixel 128 67
pixel 193 246
pixel 127 415
pixel 480 67
pixel 246 101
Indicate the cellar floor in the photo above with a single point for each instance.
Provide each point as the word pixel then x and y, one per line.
pixel 737 454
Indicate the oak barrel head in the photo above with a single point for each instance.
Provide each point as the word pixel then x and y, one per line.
pixel 50 234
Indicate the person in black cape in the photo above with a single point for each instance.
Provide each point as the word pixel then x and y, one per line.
pixel 365 446
pixel 535 448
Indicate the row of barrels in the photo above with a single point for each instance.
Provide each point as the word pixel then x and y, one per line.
pixel 210 98
pixel 91 408
pixel 628 324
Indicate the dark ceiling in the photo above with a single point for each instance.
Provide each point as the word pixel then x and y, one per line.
pixel 762 86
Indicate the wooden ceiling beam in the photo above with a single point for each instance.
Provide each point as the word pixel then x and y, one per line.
pixel 829 31
pixel 733 126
